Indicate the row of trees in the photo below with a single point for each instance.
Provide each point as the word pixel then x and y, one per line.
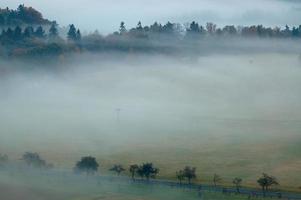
pixel 169 29
pixel 31 41
pixel 193 29
pixel 90 166
pixel 25 33
pixel 37 42
pixel 29 16
pixel 29 33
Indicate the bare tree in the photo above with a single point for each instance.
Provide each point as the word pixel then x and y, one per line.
pixel 118 169
pixel 180 176
pixel 216 179
pixel 133 170
pixel 237 182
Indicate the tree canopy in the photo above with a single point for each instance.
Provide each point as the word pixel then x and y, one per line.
pixel 87 164
pixel 34 160
pixel 22 16
pixel 266 181
pixel 25 33
pixel 118 169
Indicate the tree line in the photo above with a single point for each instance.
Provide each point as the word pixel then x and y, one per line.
pixel 27 34
pixel 89 165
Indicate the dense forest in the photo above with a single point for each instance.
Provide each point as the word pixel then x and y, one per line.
pixel 22 16
pixel 25 33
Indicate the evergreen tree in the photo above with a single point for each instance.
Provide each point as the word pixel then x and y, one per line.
pixel 28 32
pixel 194 27
pixel 78 35
pixel 2 20
pixel 9 33
pixel 17 33
pixel 122 29
pixel 53 32
pixel 168 28
pixel 156 28
pixel 40 33
pixel 295 32
pixel 72 33
pixel 139 26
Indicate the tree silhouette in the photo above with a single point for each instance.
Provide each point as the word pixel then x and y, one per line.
pixel 133 170
pixel 34 160
pixel 140 172
pixel 53 32
pixel 118 169
pixel 78 35
pixel 87 165
pixel 40 33
pixel 72 33
pixel 180 176
pixel 156 28
pixel 9 34
pixel 194 27
pixel 237 182
pixel 17 33
pixel 139 26
pixel 28 32
pixel 189 173
pixel 122 29
pixel 216 179
pixel 266 181
pixel 148 170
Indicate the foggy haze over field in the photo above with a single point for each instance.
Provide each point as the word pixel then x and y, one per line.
pixel 94 14
pixel 111 105
pixel 173 101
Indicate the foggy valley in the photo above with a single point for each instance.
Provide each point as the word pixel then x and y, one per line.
pixel 154 112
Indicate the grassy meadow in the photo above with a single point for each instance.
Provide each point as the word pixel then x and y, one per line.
pixel 237 116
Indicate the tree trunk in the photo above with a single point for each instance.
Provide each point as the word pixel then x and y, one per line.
pixel 237 189
pixel 263 191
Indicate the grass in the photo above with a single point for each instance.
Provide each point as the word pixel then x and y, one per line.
pixel 228 155
pixel 38 185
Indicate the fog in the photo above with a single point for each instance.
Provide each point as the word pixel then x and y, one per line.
pixel 94 14
pixel 172 110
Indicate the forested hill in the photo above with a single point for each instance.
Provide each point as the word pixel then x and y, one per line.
pixel 26 34
pixel 21 16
